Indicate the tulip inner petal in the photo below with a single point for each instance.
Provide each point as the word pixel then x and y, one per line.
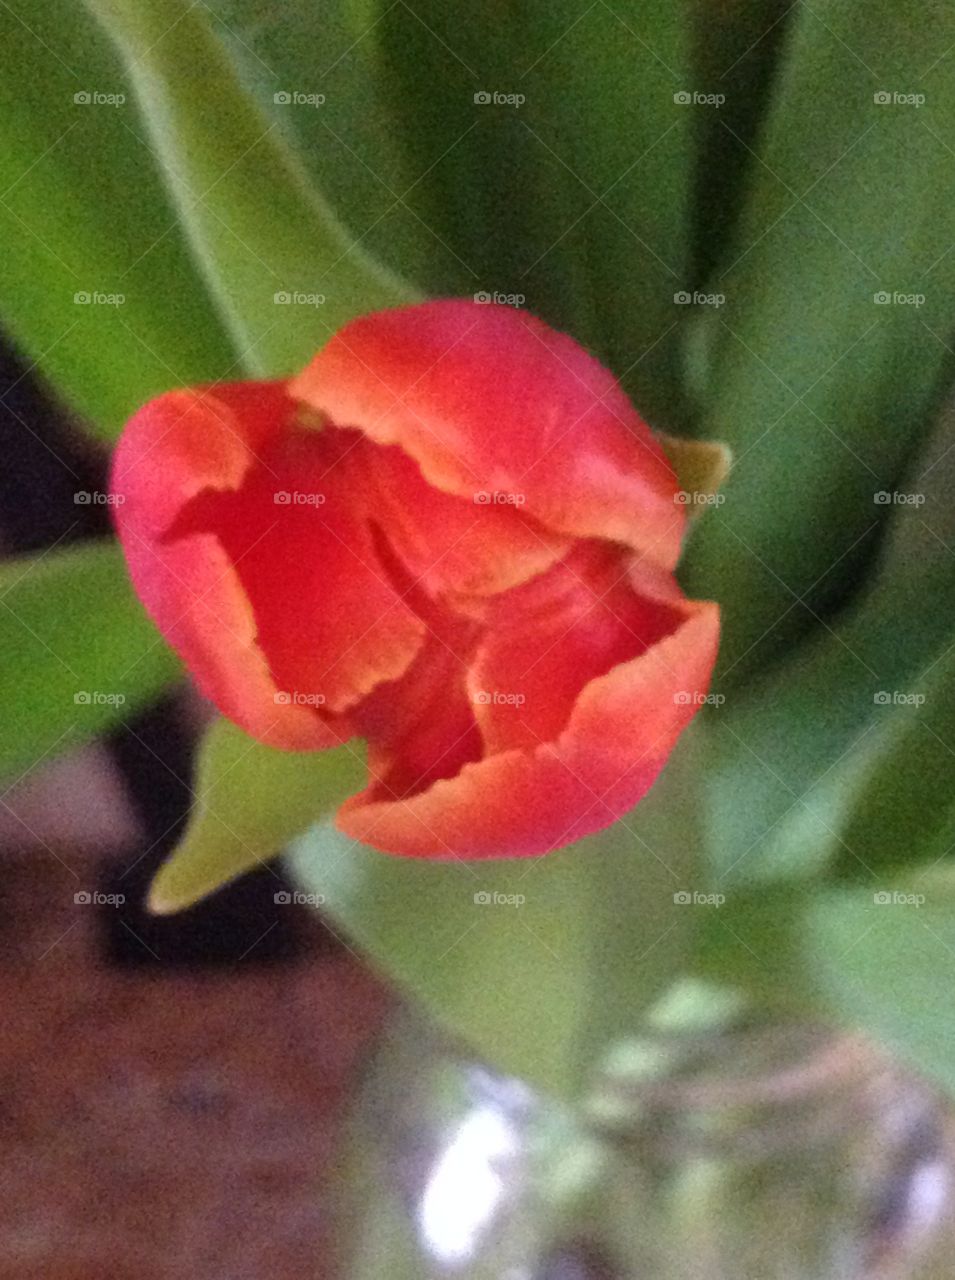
pixel 546 641
pixel 481 544
pixel 329 620
pixel 421 727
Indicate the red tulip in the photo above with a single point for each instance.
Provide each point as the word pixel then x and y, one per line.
pixel 451 535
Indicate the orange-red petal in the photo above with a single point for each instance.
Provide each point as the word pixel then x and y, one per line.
pixel 519 803
pixel 277 605
pixel 488 399
pixel 449 544
pixel 547 640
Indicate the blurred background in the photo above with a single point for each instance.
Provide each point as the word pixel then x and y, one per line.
pixel 172 1089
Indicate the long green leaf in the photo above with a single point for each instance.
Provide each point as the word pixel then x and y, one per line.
pixel 544 147
pixel 736 47
pixel 97 285
pixel 284 272
pixel 832 348
pixel 79 653
pixel 904 813
pixel 315 71
pixel 790 754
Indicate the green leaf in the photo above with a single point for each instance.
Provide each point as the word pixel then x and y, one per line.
pixel 612 139
pixel 339 125
pixel 821 387
pixel 265 238
pixel 548 161
pixel 79 653
pixel 539 964
pixel 84 214
pixel 883 960
pixel 789 755
pixel 905 811
pixel 736 47
pixel 879 960
pixel 250 800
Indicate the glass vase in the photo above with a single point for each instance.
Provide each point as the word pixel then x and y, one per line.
pixel 763 1153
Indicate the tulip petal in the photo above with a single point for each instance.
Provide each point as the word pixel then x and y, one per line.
pixel 280 607
pixel 450 544
pixel 548 640
pixel 523 803
pixel 428 730
pixel 489 399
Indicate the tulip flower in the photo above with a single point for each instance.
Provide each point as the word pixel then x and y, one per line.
pixel 451 535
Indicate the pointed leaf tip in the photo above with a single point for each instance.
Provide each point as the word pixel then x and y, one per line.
pixel 251 799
